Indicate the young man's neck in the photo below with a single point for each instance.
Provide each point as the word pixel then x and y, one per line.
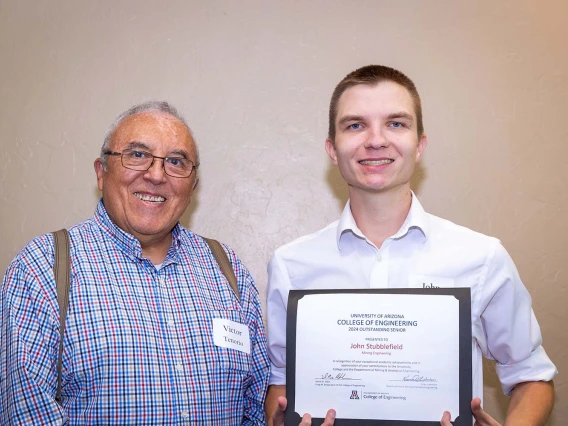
pixel 380 215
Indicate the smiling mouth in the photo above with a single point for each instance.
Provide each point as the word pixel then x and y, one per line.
pixel 150 198
pixel 375 162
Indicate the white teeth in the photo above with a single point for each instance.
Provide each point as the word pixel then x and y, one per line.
pixel 151 198
pixel 375 162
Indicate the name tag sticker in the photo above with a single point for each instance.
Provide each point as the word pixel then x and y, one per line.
pixel 231 334
pixel 425 281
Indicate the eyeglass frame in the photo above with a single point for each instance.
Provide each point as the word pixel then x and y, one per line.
pixel 115 153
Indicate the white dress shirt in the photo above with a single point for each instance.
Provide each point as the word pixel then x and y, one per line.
pixel 426 251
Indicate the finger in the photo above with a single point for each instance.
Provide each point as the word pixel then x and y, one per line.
pixel 329 418
pixel 446 418
pixel 306 420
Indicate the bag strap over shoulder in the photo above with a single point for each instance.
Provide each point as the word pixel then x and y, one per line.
pixel 224 264
pixel 62 272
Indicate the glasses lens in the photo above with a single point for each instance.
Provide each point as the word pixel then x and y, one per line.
pixel 136 160
pixel 178 166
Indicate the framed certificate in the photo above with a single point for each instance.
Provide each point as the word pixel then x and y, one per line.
pixel 379 356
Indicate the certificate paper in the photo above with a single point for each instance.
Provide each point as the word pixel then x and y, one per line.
pixel 379 357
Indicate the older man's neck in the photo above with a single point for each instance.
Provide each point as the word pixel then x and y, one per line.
pixel 156 249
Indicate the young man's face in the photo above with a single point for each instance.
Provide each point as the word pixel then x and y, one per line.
pixel 376 144
pixel 147 204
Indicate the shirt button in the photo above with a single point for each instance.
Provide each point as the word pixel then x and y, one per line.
pixel 179 367
pixel 185 414
pixel 379 258
pixel 171 323
pixel 162 281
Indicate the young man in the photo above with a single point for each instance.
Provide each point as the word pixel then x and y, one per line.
pixel 149 309
pixel 384 239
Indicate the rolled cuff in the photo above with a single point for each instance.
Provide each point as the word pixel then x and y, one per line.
pixel 536 368
pixel 277 375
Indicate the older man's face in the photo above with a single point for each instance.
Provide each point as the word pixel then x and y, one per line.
pixel 147 204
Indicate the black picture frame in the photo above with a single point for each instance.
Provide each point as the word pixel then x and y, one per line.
pixel 463 295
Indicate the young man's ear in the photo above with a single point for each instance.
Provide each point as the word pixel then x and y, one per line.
pixel 330 149
pixel 422 144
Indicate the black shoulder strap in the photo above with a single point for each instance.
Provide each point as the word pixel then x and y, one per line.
pixel 61 270
pixel 224 264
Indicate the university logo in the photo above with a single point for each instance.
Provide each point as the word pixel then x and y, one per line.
pixel 354 395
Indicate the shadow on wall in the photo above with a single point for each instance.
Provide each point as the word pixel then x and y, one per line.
pixel 187 215
pixel 337 185
pixel 495 402
pixel 339 188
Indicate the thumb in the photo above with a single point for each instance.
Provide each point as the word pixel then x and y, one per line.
pixel 446 419
pixel 278 416
pixel 481 417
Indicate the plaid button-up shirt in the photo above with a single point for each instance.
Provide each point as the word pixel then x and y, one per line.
pixel 139 346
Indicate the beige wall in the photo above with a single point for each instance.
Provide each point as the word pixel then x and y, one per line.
pixel 254 80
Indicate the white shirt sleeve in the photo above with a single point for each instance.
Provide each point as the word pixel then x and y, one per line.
pixel 279 286
pixel 511 334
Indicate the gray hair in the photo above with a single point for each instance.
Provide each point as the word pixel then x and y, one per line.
pixel 160 106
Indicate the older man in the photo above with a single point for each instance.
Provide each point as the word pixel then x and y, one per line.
pixel 385 239
pixel 146 338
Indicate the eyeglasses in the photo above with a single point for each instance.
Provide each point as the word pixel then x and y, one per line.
pixel 133 159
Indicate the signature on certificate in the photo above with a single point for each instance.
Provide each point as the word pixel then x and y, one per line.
pixel 415 378
pixel 338 376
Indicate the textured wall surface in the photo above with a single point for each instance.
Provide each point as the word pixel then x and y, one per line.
pixel 254 79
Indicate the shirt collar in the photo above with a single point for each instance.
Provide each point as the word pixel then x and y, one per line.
pixel 127 242
pixel 417 218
